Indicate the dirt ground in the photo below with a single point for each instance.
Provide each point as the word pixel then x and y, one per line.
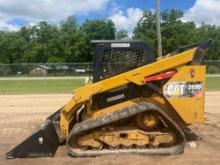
pixel 20 115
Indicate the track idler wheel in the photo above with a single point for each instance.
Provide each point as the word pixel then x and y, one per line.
pixel 148 120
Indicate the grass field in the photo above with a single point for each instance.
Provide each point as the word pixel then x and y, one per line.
pixel 213 83
pixel 39 86
pixel 63 86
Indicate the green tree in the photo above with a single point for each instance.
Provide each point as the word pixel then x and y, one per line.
pixel 146 30
pixel 210 31
pixel 12 46
pixel 172 16
pixel 121 34
pixel 74 42
pixel 69 42
pixel 42 42
pixel 99 29
pixel 175 33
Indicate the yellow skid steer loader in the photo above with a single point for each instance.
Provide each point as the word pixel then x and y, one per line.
pixel 134 103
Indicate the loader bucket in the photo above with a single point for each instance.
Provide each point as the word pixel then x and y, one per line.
pixel 43 143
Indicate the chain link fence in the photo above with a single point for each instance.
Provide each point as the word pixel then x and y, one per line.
pixel 42 70
pixel 42 78
pixel 67 69
pixel 59 78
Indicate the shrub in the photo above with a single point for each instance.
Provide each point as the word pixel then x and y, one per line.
pixel 5 70
pixel 213 69
pixel 38 72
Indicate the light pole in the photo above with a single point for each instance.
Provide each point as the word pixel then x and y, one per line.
pixel 159 44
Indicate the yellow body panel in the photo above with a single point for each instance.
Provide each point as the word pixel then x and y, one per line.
pixel 116 107
pixel 190 108
pixel 84 94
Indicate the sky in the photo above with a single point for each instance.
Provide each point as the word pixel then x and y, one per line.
pixel 124 13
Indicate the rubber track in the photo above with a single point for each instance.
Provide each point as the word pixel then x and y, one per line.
pixel 120 115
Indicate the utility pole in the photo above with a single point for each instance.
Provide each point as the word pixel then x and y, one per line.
pixel 159 44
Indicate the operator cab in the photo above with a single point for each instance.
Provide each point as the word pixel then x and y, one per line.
pixel 116 57
pixel 113 57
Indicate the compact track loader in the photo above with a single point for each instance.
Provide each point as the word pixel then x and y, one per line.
pixel 134 103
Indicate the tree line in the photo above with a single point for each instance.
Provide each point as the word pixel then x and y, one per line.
pixel 69 42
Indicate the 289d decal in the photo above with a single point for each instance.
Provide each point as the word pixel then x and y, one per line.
pixel 183 89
